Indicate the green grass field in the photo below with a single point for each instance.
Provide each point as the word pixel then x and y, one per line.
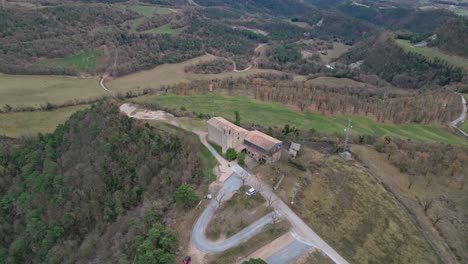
pixel 274 114
pixel 164 11
pixel 31 123
pixel 144 10
pixel 433 53
pixel 34 90
pixel 84 61
pixel 464 126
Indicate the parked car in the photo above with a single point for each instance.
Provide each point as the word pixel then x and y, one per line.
pixel 186 260
pixel 251 192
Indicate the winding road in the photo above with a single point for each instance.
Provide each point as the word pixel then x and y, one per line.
pixel 461 118
pixel 305 237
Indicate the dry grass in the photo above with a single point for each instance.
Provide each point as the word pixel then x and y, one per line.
pixel 345 206
pixel 237 213
pixel 291 182
pixel 338 50
pixel 35 90
pixel 30 123
pixel 315 257
pixel 342 203
pixel 233 255
pixel 169 74
pixel 449 199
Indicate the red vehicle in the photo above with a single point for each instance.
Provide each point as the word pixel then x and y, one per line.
pixel 186 260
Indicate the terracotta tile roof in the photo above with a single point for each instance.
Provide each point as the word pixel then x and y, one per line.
pixel 262 140
pixel 223 123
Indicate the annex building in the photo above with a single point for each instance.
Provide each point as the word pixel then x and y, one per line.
pixel 258 145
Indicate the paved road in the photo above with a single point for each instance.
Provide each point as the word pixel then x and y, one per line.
pixel 292 251
pixel 198 232
pixel 302 229
pixel 305 234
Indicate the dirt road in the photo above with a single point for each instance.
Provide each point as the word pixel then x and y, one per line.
pixel 461 118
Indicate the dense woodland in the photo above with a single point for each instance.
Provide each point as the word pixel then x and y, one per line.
pixel 382 56
pixel 66 196
pixel 210 67
pixel 428 107
pixel 221 28
pixel 453 37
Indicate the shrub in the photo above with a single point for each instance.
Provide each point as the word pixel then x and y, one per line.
pixel 185 196
pixel 254 261
pixel 241 158
pixel 231 154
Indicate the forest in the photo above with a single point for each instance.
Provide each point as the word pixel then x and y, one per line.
pixel 402 69
pixel 63 196
pixel 423 108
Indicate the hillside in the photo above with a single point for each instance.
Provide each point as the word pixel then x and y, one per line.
pixel 383 57
pixel 452 37
pixel 65 196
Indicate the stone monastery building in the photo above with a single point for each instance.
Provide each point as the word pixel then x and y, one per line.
pixel 260 146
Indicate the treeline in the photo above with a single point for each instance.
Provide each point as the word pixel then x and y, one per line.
pixel 210 67
pixel 65 195
pixel 423 108
pixel 276 7
pixel 383 57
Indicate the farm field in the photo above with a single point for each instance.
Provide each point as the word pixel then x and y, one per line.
pixel 170 74
pixel 433 53
pixel 30 123
pixel 37 90
pixel 275 114
pixel 85 61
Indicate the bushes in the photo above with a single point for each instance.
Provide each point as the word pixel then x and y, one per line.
pixel 231 154
pixel 254 261
pixel 241 158
pixel 185 196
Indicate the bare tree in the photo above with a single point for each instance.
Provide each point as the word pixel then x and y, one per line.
pixel 275 217
pixel 438 216
pixel 243 177
pixel 270 200
pixel 219 199
pixel 426 204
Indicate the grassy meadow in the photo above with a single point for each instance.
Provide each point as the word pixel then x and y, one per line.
pixel 30 123
pixel 170 74
pixel 84 61
pixel 275 114
pixel 37 90
pixel 433 53
pixel 144 10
